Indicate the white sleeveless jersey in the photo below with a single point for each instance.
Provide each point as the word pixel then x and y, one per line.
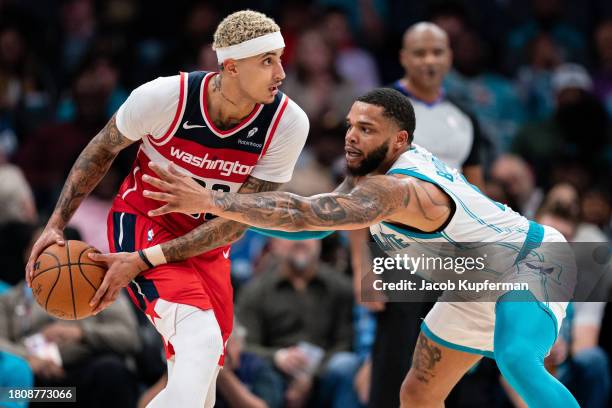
pixel 478 222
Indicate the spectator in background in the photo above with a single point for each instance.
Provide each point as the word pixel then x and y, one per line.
pixel 534 78
pixel 597 210
pixel 492 98
pixel 603 75
pixel 48 154
pixel 207 58
pixel 78 26
pixel 15 373
pixel 298 315
pixel 198 29
pixel 92 350
pixel 316 85
pixel 352 62
pixel 106 72
pixel 517 180
pixel 547 18
pixel 566 196
pixel 26 89
pixel 16 199
pixel 247 380
pixel 578 132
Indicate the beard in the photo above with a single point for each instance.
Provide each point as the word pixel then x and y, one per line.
pixel 370 162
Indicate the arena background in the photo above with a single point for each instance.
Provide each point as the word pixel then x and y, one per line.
pixel 66 66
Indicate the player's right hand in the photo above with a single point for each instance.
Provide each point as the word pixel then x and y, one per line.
pixel 122 268
pixel 49 236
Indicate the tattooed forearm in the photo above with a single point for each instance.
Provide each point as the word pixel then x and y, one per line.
pixel 426 356
pixel 369 202
pixel 214 233
pixel 89 168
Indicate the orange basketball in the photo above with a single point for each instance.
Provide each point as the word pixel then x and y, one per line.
pixel 65 279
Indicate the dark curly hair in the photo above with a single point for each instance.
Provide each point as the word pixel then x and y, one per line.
pixel 395 106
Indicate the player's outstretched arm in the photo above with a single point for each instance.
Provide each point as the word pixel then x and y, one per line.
pixel 214 233
pixel 87 171
pixel 372 200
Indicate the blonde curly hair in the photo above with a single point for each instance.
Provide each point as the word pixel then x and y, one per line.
pixel 243 26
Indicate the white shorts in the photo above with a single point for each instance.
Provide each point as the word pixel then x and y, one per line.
pixel 470 326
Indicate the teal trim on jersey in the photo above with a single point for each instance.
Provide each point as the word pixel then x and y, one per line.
pixel 413 234
pixel 409 172
pixel 292 236
pixel 454 346
pixel 534 238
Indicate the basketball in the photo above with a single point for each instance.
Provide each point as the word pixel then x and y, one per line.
pixel 65 279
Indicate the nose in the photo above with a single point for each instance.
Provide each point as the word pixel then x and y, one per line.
pixel 430 58
pixel 280 72
pixel 351 136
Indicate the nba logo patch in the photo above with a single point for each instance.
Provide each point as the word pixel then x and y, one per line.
pixel 150 235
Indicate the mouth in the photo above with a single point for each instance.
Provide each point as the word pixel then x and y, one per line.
pixel 431 72
pixel 352 152
pixel 274 88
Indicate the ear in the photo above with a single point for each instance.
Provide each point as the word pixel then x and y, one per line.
pixel 230 67
pixel 401 139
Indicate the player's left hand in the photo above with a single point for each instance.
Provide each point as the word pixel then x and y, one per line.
pixel 180 192
pixel 122 268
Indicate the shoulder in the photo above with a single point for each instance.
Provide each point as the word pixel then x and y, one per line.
pixel 160 87
pixel 294 114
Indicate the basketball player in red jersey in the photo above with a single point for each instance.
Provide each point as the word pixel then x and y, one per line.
pixel 230 131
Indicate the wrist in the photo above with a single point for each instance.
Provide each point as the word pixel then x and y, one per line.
pixel 153 256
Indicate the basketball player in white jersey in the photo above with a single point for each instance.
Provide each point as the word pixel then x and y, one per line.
pixel 407 196
pixel 232 131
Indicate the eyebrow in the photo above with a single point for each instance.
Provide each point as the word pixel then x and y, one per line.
pixel 270 53
pixel 364 122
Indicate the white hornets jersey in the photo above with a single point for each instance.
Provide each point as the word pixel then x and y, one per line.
pixel 478 222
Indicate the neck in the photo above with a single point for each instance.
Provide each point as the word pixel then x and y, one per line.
pixel 227 104
pixel 386 165
pixel 426 94
pixel 299 280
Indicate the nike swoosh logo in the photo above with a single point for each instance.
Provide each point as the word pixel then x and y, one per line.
pixel 226 253
pixel 186 125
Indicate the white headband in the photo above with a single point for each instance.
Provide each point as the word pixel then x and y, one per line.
pixel 256 46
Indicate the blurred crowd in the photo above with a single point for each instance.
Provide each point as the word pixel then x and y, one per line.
pixel 536 75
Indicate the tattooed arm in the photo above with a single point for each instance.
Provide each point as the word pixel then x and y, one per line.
pixel 374 199
pixel 400 199
pixel 214 233
pixel 89 168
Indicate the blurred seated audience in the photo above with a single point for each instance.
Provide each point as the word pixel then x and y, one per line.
pixel 515 185
pixel 92 352
pixel 578 131
pixel 298 315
